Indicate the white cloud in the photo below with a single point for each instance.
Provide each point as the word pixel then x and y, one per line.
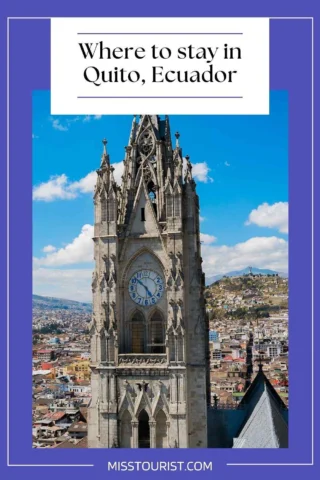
pixel 207 239
pixel 57 125
pixel 34 135
pixel 200 171
pixel 85 184
pixel 80 250
pixel 202 219
pixel 118 172
pixel 72 284
pixel 261 252
pixel 227 164
pixel 64 125
pixel 55 188
pixel 271 216
pixel 88 118
pixel 73 119
pixel 61 188
pixel 49 249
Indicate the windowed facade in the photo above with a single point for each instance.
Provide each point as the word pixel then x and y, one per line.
pixel 108 210
pixel 146 335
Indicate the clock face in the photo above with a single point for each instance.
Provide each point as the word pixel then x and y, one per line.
pixel 146 287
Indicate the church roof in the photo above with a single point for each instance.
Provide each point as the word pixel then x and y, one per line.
pixel 265 424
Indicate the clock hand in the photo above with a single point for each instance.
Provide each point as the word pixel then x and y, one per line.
pixel 139 281
pixel 148 292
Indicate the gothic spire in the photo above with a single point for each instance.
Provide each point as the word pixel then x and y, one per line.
pixel 133 132
pixel 167 133
pixel 105 157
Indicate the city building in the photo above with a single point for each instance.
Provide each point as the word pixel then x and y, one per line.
pixel 45 355
pixel 213 336
pixel 78 369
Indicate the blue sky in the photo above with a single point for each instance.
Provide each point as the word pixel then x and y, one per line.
pixel 240 166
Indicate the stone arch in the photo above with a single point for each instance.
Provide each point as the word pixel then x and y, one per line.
pixel 143 403
pixel 137 254
pixel 126 430
pixel 161 430
pixel 143 430
pixel 126 404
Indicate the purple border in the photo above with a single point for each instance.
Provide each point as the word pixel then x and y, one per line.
pixel 29 70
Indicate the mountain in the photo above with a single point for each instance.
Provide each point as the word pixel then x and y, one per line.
pixel 39 301
pixel 245 271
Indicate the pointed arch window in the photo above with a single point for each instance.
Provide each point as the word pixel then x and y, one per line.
pixel 143 430
pixel 156 333
pixel 169 205
pixel 152 191
pixel 137 333
pixel 152 195
pixel 108 210
pixel 111 210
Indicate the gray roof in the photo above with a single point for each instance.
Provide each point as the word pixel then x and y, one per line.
pixel 265 424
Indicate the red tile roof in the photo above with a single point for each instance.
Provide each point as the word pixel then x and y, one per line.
pixel 55 415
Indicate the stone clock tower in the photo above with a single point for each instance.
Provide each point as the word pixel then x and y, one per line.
pixel 149 333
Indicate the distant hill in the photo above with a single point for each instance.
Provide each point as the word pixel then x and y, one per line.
pixel 238 273
pixel 60 303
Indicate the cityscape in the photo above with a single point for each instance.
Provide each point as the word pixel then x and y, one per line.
pixel 248 317
pixel 164 323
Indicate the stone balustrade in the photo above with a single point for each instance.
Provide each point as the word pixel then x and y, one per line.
pixel 142 359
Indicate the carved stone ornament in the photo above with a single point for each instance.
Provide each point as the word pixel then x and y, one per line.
pixel 94 281
pixel 146 143
pixel 138 360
